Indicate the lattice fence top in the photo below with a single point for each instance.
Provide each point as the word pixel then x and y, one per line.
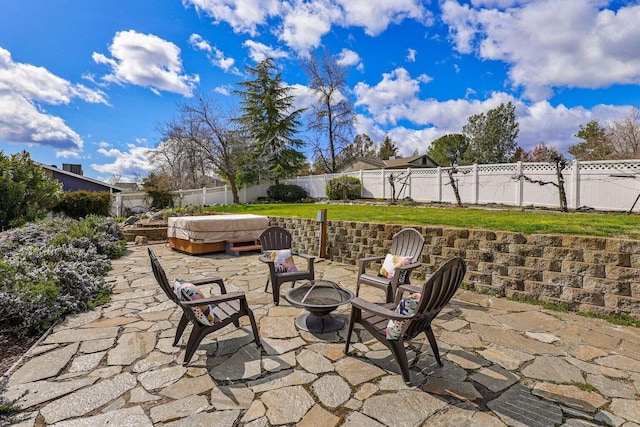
pixel 621 165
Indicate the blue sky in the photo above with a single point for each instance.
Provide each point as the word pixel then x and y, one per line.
pixel 90 81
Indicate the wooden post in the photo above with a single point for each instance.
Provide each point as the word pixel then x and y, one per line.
pixel 322 218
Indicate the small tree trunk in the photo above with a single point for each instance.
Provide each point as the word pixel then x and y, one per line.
pixel 562 194
pixel 234 190
pixel 454 185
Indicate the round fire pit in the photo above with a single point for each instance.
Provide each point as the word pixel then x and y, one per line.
pixel 319 298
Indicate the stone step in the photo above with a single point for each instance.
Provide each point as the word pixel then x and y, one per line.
pixel 235 246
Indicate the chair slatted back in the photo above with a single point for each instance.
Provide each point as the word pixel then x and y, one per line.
pixel 275 238
pixel 437 291
pixel 161 277
pixel 408 242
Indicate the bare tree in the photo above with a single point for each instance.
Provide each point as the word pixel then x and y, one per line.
pixel 544 153
pixel 624 135
pixel 204 137
pixel 333 116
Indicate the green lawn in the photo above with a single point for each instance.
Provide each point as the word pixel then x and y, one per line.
pixel 539 222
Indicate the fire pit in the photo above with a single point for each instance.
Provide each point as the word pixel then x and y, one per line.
pixel 319 298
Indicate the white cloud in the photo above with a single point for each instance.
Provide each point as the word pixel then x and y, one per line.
pixel 259 51
pixel 24 88
pixel 244 16
pixel 396 99
pixel 127 164
pixel 225 90
pixel 411 55
pixel 215 55
pixel 147 60
pixel 349 58
pixel 375 16
pixel 305 23
pixel 550 44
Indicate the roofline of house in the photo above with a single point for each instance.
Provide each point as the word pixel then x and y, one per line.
pixel 75 175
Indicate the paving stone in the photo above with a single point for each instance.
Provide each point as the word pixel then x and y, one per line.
pixel 231 397
pixel 366 390
pixel 155 316
pixel 87 399
pixel 392 383
pixel 161 378
pixel 34 393
pixel 256 410
pixel 570 396
pixel 81 319
pixel 153 360
pixel 592 368
pixel 332 390
pixel 353 404
pixel 114 321
pixel 553 369
pixel 278 327
pixel 356 419
pixel 514 340
pixel 626 408
pixel 495 378
pixel 86 362
pixel 427 365
pixel 445 387
pixel 36 351
pixel 286 405
pixel 314 362
pixel 608 418
pixel 574 422
pixel 45 366
pixel 188 386
pixel 519 408
pixel 131 347
pixel 279 362
pixel 179 408
pixel 453 325
pixel 95 346
pixel 356 371
pixel 466 360
pixel 529 321
pixel 243 365
pixel 611 388
pixel 232 342
pixel 217 419
pixel 585 334
pixel 583 352
pixel 464 340
pixel 318 416
pixel 404 408
pixel 143 325
pixel 140 395
pixel 462 416
pixel 133 416
pixel 619 362
pixel 79 335
pixel 281 379
pixel 162 325
pixel 108 372
pixel 165 345
pixel 280 346
pixel 508 358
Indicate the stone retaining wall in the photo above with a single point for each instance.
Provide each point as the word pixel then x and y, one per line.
pixel 592 274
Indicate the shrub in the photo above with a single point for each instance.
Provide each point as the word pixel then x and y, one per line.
pixel 27 192
pixel 53 268
pixel 78 204
pixel 286 193
pixel 343 187
pixel 160 198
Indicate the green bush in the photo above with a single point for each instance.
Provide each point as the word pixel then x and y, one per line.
pixel 286 193
pixel 26 192
pixel 344 187
pixel 78 204
pixel 160 199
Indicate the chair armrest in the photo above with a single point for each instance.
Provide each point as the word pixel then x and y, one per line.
pixel 406 288
pixel 379 310
pixel 306 256
pixel 363 262
pixel 210 280
pixel 406 269
pixel 214 300
pixel 265 259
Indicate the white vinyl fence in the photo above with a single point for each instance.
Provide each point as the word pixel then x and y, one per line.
pixel 603 185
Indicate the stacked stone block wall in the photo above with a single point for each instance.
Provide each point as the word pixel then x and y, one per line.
pixel 593 274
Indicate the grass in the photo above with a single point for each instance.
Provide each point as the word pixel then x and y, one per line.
pixel 540 222
pixel 584 386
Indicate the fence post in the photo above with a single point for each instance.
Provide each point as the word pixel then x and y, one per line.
pixel 204 196
pixel 226 194
pixel 118 204
pixel 476 184
pixel 575 177
pixel 519 184
pixel 244 193
pixel 409 182
pixel 361 184
pixel 439 184
pixel 383 186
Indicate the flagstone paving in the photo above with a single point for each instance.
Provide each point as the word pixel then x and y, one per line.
pixel 505 363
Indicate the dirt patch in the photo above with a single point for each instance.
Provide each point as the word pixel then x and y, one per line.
pixel 12 349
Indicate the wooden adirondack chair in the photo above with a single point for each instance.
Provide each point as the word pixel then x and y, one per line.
pixel 435 294
pixel 229 307
pixel 406 243
pixel 275 239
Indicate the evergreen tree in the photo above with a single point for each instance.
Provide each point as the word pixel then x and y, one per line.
pixel 595 143
pixel 492 136
pixel 268 117
pixel 388 149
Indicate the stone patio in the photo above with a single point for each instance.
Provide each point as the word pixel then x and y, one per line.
pixel 505 363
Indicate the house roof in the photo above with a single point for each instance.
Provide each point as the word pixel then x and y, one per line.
pixel 419 161
pixel 55 170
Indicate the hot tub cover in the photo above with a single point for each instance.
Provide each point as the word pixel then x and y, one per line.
pixel 216 228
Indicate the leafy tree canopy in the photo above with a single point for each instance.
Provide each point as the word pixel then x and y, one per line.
pixel 449 150
pixel 595 144
pixel 492 136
